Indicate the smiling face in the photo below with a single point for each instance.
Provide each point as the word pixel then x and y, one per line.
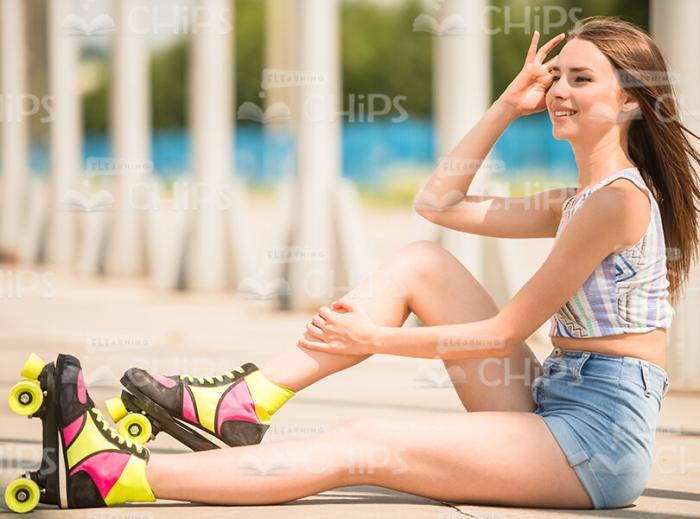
pixel 585 99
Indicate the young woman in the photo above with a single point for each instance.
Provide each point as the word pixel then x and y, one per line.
pixel 576 432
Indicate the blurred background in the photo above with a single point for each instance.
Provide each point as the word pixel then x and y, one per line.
pixel 183 183
pixel 384 50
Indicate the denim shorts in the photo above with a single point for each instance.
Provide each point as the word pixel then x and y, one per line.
pixel 602 410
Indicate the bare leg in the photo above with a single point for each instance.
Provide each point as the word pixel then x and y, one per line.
pixel 506 458
pixel 385 297
pixel 424 278
pixel 501 458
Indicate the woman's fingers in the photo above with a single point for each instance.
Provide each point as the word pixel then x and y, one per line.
pixel 532 51
pixel 312 345
pixel 326 313
pixel 315 331
pixel 547 47
pixel 537 56
pixel 549 64
pixel 319 321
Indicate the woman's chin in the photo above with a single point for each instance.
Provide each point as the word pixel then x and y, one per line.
pixel 562 134
pixel 558 135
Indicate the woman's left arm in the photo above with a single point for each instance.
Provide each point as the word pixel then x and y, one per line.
pixel 345 329
pixel 605 223
pixel 474 340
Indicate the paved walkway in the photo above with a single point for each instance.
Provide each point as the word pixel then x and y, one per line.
pixel 114 324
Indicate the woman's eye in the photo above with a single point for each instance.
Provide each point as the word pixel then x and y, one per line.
pixel 555 78
pixel 583 78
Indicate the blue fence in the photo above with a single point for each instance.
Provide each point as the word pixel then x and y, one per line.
pixel 369 151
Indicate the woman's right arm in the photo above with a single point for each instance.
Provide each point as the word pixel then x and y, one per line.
pixel 450 181
pixel 443 198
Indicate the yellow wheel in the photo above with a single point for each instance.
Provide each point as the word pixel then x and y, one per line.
pixel 115 408
pixel 25 397
pixel 136 427
pixel 22 495
pixel 32 367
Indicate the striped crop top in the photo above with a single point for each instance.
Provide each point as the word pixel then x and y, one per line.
pixel 628 291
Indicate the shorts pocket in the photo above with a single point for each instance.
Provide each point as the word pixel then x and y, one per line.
pixel 665 388
pixel 653 382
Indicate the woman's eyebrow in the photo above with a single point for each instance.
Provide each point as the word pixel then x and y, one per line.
pixel 574 69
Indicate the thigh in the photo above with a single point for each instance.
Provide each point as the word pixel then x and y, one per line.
pixel 445 292
pixel 490 458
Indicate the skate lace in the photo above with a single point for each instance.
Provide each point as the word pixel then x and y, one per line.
pixel 231 375
pixel 114 434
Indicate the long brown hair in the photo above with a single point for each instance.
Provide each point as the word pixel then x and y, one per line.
pixel 658 142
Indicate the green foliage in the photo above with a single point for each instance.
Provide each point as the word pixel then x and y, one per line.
pixel 170 86
pixel 249 50
pixel 96 102
pixel 381 53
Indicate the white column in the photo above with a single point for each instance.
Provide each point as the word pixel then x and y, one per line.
pixel 212 91
pixel 310 274
pixel 461 95
pixel 674 28
pixel 462 72
pixel 65 136
pixel 15 138
pixel 281 53
pixel 130 109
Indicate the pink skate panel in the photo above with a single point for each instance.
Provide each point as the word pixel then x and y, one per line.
pixel 188 407
pixel 82 392
pixel 237 404
pixel 163 381
pixel 71 430
pixel 104 468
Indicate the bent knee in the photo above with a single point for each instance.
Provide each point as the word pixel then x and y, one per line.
pixel 422 257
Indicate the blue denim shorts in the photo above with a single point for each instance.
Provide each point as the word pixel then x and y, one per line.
pixel 602 410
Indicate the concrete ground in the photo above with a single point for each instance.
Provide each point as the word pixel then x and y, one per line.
pixel 114 324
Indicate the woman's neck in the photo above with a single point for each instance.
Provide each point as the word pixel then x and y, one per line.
pixel 599 160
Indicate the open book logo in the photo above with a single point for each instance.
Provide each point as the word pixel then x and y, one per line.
pixel 102 376
pixel 276 112
pixel 428 200
pixel 252 465
pixel 451 25
pixel 256 288
pixel 78 201
pixel 76 25
pixel 427 377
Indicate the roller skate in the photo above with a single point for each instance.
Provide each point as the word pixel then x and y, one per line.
pixel 203 413
pixel 85 463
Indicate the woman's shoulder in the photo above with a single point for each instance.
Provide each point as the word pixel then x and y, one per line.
pixel 627 206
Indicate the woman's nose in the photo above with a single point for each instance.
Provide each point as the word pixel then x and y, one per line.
pixel 559 89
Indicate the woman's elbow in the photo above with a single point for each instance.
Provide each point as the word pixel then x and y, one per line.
pixel 508 335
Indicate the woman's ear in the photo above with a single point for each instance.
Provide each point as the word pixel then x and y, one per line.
pixel 630 109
